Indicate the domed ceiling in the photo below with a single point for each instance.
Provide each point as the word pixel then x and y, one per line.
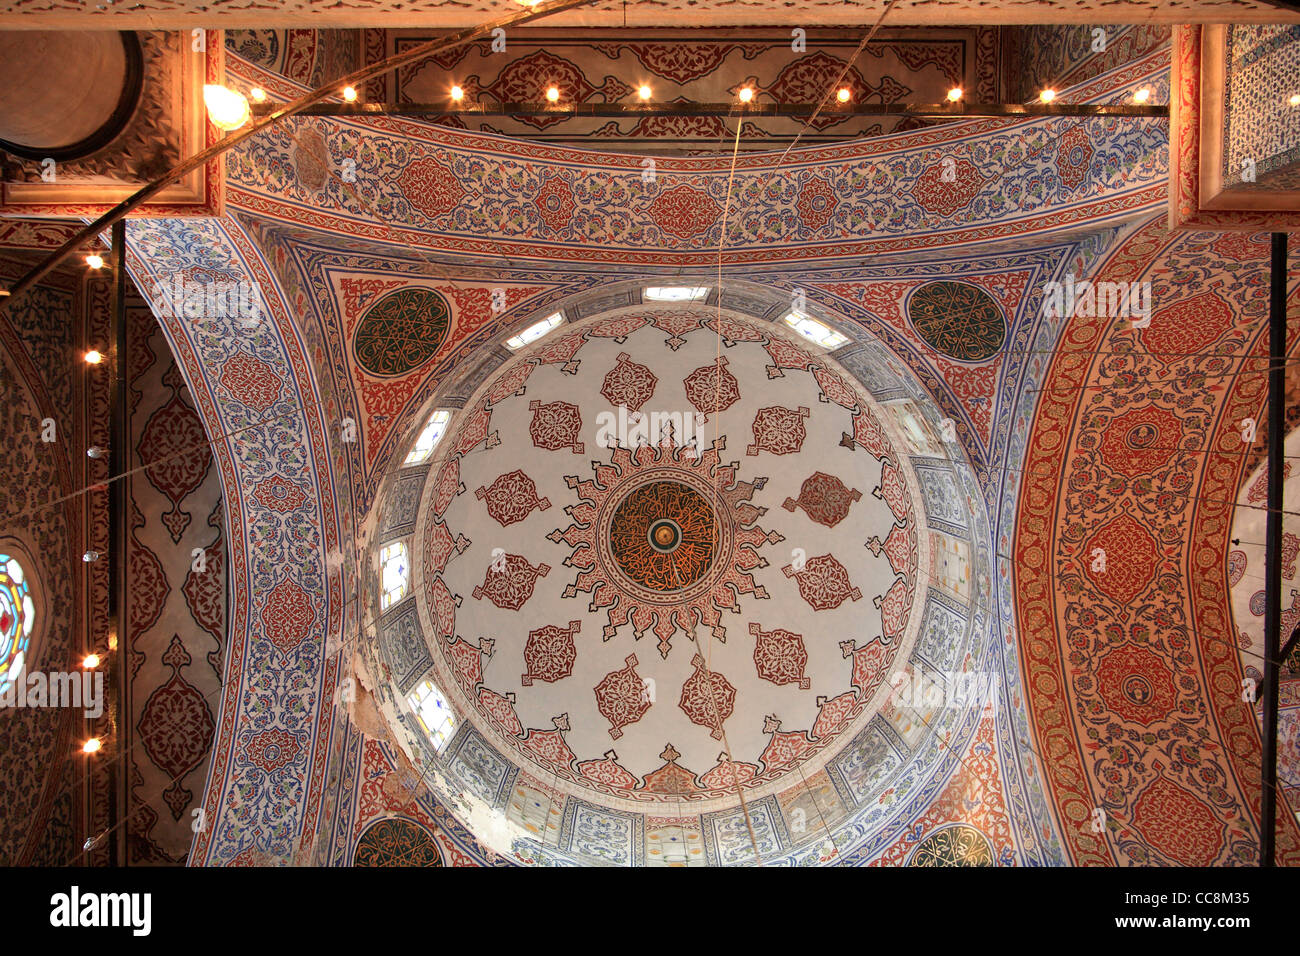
pixel 670 563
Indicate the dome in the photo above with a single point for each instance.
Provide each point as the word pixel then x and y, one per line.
pixel 668 565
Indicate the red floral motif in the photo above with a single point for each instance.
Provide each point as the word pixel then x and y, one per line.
pixel 1259 488
pixel 608 771
pixel 707 698
pixel 787 355
pixel 448 486
pixel 205 592
pixel 525 81
pixel 510 383
pixel 511 586
pixel 549 653
pixel 835 389
pixel 780 656
pixel 946 196
pixel 288 615
pixel 1242 246
pixel 823 583
pixel 868 433
pixel 684 211
pixel 727 775
pixel 622 697
pixel 784 749
pixel 1131 560
pixel 681 62
pixel 1290 551
pixel 825 499
pixel 806 80
pixel 833 713
pixel 555 203
pixel 894 606
pixel 272 749
pixel 430 187
pixel 676 127
pixel 677 324
pixel 1074 154
pixel 277 494
pixel 511 498
pixel 250 381
pixel 1178 824
pixel 1136 684
pixel 671 777
pixel 176 723
pixel 149 587
pixel 816 203
pixel 712 388
pixel 628 384
pixel 174 442
pixel 310 159
pixel 618 328
pixel 778 430
pixel 1186 327
pixel 1141 440
pixel 556 425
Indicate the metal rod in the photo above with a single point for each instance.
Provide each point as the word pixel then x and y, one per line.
pixel 117 532
pixel 754 110
pixel 1273 546
pixel 275 115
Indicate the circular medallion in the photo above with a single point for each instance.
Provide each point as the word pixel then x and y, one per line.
pixel 402 331
pixel 954 846
pixel 663 535
pixel 397 843
pixel 957 319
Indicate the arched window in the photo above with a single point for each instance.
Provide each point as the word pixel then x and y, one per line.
pixel 17 619
pixel 429 438
pixel 394 574
pixel 434 714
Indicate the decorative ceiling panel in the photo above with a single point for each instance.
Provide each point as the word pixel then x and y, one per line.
pixel 688 13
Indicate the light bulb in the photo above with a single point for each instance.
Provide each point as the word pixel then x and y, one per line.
pixel 1295 99
pixel 90 661
pixel 92 745
pixel 844 94
pixel 1047 95
pixel 644 92
pixel 227 109
pixel 94 261
pixel 553 93
pixel 258 94
pixel 954 94
pixel 94 451
pixel 746 94
pixel 90 556
pixel 349 93
pixel 93 357
pixel 457 93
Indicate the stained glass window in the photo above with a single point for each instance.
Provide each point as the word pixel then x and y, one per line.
pixel 429 438
pixel 433 712
pixel 394 572
pixel 17 619
pixel 534 332
pixel 815 331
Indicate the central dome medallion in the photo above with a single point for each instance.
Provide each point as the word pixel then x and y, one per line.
pixel 662 535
